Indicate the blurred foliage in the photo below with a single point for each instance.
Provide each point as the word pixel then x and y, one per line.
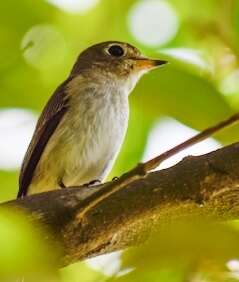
pixel 39 43
pixel 81 271
pixel 183 251
pixel 23 253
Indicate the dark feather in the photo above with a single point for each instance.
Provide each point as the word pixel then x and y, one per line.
pixel 46 125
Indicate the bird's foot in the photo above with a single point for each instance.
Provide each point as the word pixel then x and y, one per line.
pixel 115 178
pixel 92 183
pixel 61 183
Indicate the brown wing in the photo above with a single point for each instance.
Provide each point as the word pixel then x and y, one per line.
pixel 46 125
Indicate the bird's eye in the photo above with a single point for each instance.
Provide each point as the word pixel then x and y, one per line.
pixel 116 51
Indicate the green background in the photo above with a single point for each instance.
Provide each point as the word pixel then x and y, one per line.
pixel 197 97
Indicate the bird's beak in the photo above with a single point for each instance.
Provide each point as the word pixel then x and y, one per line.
pixel 144 63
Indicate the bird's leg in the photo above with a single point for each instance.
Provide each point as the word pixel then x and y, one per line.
pixel 61 183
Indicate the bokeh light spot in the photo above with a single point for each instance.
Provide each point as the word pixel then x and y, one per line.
pixel 74 6
pixel 153 22
pixel 190 56
pixel 43 46
pixel 233 266
pixel 16 129
pixel 109 264
pixel 168 133
pixel 229 87
pixel 230 84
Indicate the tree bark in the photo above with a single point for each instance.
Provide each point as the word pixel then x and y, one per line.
pixel 206 186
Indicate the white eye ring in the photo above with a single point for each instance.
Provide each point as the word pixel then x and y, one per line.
pixel 115 50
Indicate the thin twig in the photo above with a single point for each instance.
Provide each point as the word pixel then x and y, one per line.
pixel 153 163
pixel 143 168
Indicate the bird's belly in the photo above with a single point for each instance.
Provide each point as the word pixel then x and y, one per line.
pixel 91 156
pixel 82 150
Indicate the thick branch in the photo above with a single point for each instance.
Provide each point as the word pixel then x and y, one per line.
pixel 207 186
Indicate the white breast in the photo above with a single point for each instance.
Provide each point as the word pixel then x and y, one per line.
pixel 97 122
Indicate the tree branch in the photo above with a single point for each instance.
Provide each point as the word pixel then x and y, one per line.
pixel 205 186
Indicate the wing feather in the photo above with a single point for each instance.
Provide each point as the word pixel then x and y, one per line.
pixel 51 116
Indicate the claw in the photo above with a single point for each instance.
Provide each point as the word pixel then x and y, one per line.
pixel 115 178
pixel 61 183
pixel 92 183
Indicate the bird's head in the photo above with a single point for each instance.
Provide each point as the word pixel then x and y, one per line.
pixel 116 60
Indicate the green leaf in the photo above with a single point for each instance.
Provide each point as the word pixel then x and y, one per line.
pixel 22 249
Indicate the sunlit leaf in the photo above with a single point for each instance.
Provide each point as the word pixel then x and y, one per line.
pixel 23 252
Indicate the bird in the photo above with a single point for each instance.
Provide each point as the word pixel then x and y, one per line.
pixel 83 125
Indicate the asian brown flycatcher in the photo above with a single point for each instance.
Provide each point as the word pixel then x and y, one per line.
pixel 80 131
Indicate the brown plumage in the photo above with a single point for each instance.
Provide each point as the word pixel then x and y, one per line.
pixel 82 127
pixel 46 125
